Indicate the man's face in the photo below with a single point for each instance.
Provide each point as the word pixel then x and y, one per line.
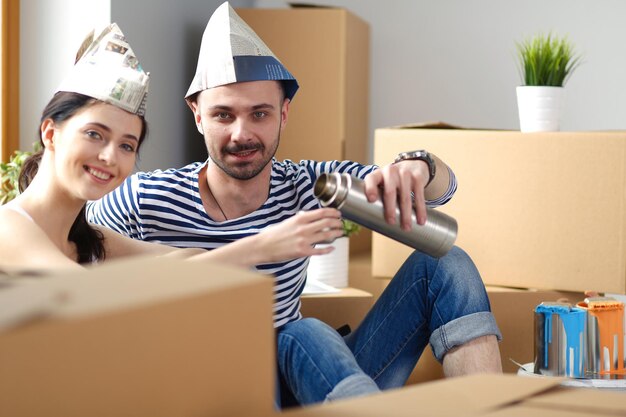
pixel 241 124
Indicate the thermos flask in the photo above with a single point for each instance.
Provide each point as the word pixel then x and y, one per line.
pixel 347 194
pixel 560 340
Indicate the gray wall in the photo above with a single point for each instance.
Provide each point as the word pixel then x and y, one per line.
pixel 454 60
pixel 164 34
pixel 450 60
pixel 167 43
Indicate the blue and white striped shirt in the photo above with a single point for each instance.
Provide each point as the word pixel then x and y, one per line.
pixel 165 207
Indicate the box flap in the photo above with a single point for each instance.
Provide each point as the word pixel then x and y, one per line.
pixel 298 5
pixel 438 125
pixel 427 125
pixel 121 284
pixel 22 301
pixel 469 395
pixel 523 410
pixel 583 400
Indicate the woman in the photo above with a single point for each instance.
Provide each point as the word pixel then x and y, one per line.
pixel 89 143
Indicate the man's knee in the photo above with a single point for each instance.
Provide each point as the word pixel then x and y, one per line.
pixel 308 334
pixel 458 262
pixel 459 267
pixel 305 328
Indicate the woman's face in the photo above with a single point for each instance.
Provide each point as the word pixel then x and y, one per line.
pixel 94 150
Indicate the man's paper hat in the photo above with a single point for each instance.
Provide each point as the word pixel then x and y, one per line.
pixel 107 69
pixel 231 52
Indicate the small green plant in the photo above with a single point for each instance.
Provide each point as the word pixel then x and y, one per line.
pixel 547 60
pixel 350 228
pixel 10 174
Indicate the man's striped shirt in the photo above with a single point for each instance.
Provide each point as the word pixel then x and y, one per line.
pixel 165 207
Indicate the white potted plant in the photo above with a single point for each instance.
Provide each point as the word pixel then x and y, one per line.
pixel 546 63
pixel 332 268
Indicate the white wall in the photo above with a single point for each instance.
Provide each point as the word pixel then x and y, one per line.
pixel 454 60
pixel 164 34
pixel 50 34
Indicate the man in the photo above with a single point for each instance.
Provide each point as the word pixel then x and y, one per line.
pixel 240 99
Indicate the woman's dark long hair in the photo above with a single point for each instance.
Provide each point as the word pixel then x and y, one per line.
pixel 88 240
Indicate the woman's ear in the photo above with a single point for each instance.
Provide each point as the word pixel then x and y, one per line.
pixel 48 131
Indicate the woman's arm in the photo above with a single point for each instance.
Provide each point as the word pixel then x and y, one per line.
pixel 293 238
pixel 117 245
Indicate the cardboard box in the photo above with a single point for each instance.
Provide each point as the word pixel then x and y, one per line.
pixel 146 337
pixel 477 395
pixel 349 306
pixel 360 274
pixel 535 210
pixel 577 402
pixel 466 396
pixel 328 51
pixel 514 312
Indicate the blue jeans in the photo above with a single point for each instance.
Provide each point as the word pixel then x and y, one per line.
pixel 438 301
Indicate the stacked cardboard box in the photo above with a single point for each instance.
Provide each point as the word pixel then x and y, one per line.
pixel 535 210
pixel 327 50
pixel 541 214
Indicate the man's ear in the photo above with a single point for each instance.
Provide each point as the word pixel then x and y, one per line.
pixel 284 112
pixel 195 109
pixel 48 132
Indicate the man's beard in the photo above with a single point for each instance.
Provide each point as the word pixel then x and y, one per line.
pixel 246 170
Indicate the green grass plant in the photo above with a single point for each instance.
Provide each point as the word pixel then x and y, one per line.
pixel 9 175
pixel 350 228
pixel 547 60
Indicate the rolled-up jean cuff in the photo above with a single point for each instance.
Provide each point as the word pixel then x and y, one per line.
pixel 353 386
pixel 462 330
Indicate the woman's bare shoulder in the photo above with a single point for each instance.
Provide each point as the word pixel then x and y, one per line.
pixel 24 244
pixel 13 223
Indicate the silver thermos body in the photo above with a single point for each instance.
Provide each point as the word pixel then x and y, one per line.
pixel 347 194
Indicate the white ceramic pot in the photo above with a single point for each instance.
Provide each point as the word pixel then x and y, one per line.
pixel 332 268
pixel 540 108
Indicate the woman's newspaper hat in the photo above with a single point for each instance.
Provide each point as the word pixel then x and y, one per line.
pixel 232 52
pixel 107 69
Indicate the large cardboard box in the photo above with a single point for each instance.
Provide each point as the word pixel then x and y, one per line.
pixel 477 395
pixel 327 49
pixel 466 396
pixel 513 309
pixel 535 210
pixel 148 337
